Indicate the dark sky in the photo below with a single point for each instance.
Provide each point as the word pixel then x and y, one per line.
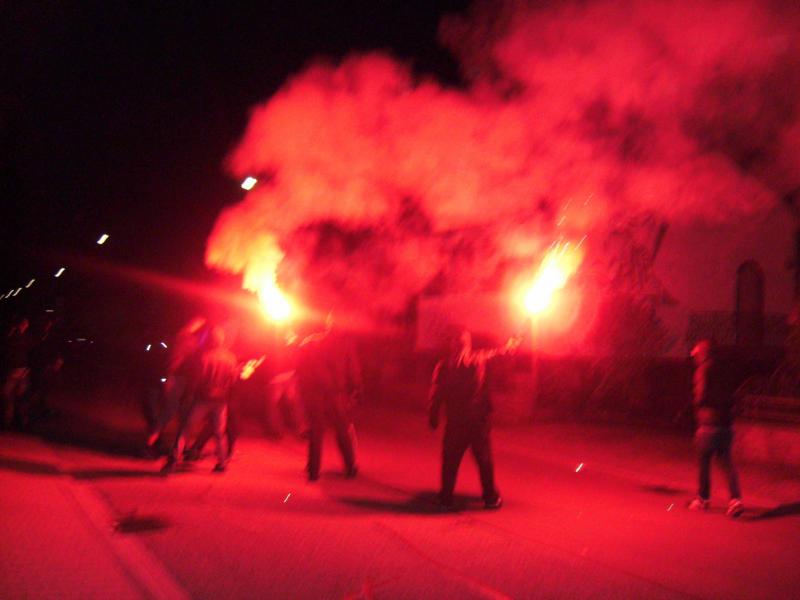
pixel 117 116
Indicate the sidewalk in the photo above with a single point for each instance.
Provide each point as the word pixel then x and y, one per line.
pixel 58 538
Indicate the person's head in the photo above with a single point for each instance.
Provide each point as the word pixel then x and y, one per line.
pixel 458 340
pixel 702 351
pixel 216 337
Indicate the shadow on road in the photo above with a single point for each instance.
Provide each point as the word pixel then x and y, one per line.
pixel 783 510
pixel 664 490
pixel 422 503
pixel 27 466
pixel 85 432
pixel 96 474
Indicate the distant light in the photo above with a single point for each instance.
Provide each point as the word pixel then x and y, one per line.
pixel 148 347
pixel 17 292
pixel 102 239
pixel 49 310
pixel 248 183
pixel 80 339
pixel 578 468
pixel 60 271
pixel 163 380
pixel 30 283
pixel 163 344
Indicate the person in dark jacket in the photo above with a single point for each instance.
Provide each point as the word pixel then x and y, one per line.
pixel 329 382
pixel 217 372
pixel 46 360
pixel 713 400
pixel 16 382
pixel 181 370
pixel 459 383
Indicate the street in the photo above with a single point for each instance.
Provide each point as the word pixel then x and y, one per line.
pixel 590 512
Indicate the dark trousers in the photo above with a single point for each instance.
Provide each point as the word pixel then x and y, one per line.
pixel 457 438
pixel 320 416
pixel 217 412
pixel 231 430
pixel 710 442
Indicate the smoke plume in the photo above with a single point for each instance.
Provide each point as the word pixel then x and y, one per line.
pixel 379 183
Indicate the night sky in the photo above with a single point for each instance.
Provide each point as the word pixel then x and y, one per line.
pixel 117 117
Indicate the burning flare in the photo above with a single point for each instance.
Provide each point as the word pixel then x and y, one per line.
pixel 558 265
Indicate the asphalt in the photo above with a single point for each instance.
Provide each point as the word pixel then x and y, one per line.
pixel 591 510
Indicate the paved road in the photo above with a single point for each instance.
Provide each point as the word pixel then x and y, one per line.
pixel 614 528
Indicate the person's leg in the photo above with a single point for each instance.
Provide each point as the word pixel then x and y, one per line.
pixel 197 413
pixel 292 396
pixel 274 391
pixel 232 428
pixel 724 453
pixel 346 440
pixel 316 430
pixel 482 451
pixel 454 444
pixel 219 417
pixel 206 433
pixel 705 445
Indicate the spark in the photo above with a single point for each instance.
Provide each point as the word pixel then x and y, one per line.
pixel 148 347
pixel 669 508
pixel 578 468
pixel 102 239
pixel 30 283
pixel 163 380
pixel 17 292
pixel 163 344
pixel 248 183
pixel 60 271
pixel 289 495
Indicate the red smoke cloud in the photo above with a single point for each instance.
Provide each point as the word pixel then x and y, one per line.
pixel 576 116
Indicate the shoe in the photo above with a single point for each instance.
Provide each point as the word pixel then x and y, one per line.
pixel 493 504
pixel 220 467
pixel 698 504
pixel 192 455
pixel 735 508
pixel 351 472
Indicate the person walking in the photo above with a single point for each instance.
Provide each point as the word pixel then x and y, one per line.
pixel 459 383
pixel 218 371
pixel 329 382
pixel 714 404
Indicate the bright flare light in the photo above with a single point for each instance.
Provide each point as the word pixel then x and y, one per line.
pixel 274 302
pixel 558 265
pixel 248 183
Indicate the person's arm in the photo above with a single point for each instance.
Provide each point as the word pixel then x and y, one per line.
pixel 510 347
pixel 435 397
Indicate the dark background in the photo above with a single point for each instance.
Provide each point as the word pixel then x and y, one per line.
pixel 117 118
